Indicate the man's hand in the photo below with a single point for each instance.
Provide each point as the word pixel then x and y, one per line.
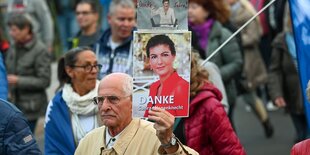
pixel 164 125
pixel 280 102
pixel 12 79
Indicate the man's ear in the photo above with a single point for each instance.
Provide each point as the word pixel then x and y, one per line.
pixel 109 19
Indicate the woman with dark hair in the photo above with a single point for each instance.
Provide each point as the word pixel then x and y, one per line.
pixel 71 114
pixel 160 50
pixel 207 129
pixel 205 18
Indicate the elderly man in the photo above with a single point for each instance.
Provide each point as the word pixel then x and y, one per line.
pixel 124 135
pixel 113 50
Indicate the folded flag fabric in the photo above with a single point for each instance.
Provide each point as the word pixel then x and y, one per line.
pixel 301 26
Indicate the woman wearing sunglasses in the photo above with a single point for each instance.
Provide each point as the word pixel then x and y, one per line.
pixel 71 114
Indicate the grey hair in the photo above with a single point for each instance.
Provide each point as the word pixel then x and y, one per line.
pixel 128 85
pixel 124 79
pixel 123 3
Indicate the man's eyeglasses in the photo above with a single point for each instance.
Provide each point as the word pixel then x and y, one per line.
pixel 89 68
pixel 84 13
pixel 111 99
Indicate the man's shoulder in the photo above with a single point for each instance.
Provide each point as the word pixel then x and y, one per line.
pixel 7 108
pixel 95 133
pixel 92 140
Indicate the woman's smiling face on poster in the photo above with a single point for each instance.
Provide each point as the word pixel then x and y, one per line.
pixel 161 60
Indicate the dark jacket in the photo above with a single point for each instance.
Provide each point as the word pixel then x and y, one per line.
pixel 283 80
pixel 82 40
pixel 15 135
pixel 63 6
pixel 119 60
pixel 228 59
pixel 31 63
pixel 208 130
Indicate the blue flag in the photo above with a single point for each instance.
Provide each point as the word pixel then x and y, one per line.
pixel 300 13
pixel 58 133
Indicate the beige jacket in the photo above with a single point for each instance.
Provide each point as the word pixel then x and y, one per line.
pixel 138 138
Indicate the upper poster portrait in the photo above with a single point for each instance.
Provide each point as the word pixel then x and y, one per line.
pixel 162 14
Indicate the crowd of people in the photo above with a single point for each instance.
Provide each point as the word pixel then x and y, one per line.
pixel 91 111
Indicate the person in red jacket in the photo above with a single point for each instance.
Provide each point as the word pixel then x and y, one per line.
pixel 301 148
pixel 207 129
pixel 171 89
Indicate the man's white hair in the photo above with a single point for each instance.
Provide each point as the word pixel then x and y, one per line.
pixel 125 79
pixel 123 3
pixel 128 85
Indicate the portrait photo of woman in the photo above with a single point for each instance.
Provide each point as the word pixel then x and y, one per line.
pixel 162 15
pixel 166 14
pixel 168 68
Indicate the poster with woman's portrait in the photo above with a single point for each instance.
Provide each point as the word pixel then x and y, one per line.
pixel 161 72
pixel 162 14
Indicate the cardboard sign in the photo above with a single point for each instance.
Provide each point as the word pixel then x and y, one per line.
pixel 161 72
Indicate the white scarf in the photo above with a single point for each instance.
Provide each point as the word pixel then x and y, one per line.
pixel 80 105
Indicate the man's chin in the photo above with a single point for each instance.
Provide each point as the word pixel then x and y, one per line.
pixel 108 122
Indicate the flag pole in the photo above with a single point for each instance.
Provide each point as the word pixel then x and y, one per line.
pixel 240 29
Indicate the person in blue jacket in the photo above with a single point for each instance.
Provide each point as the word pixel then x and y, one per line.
pixel 114 48
pixel 16 137
pixel 3 79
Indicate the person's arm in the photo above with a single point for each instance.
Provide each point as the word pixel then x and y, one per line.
pixel 155 12
pixel 18 138
pixel 42 76
pixel 164 125
pixel 275 75
pixel 232 57
pixel 172 16
pixel 250 35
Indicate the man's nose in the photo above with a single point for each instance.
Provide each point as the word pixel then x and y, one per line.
pixel 105 105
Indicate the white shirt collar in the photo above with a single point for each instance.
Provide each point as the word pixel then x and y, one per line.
pixel 110 141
